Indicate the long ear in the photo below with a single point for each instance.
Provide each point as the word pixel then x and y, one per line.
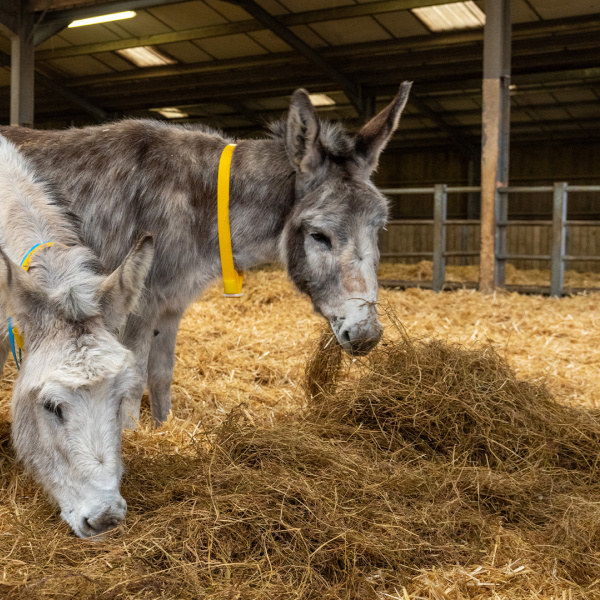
pixel 374 136
pixel 20 296
pixel 122 289
pixel 302 134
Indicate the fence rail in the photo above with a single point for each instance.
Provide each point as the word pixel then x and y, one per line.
pixel 558 224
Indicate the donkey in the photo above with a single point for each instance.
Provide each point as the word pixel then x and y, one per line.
pixel 302 196
pixel 75 373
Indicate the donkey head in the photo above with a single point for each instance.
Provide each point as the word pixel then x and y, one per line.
pixel 74 376
pixel 330 239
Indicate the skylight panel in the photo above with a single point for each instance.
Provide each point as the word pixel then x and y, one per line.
pixel 170 112
pixel 146 56
pixel 321 100
pixel 451 17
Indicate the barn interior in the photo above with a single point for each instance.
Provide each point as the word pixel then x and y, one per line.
pixel 234 64
pixel 459 461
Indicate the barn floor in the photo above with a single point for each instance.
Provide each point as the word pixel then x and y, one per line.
pixel 253 351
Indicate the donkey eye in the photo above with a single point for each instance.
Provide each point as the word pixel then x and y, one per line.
pixel 322 239
pixel 55 409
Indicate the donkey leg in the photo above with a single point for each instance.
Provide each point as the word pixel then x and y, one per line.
pixel 160 365
pixel 138 338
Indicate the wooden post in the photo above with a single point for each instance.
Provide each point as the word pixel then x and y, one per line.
pixel 22 70
pixel 439 236
pixel 559 216
pixel 495 142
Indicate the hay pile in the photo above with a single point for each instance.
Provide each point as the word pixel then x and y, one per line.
pixel 427 470
pixel 423 271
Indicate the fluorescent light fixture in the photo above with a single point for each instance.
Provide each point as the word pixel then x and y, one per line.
pixel 451 17
pixel 170 112
pixel 128 14
pixel 146 56
pixel 321 100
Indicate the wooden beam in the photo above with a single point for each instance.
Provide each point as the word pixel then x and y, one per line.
pixel 495 142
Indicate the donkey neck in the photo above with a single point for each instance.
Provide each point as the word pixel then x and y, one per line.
pixel 262 196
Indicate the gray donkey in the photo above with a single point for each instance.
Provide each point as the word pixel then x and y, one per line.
pixel 75 373
pixel 303 197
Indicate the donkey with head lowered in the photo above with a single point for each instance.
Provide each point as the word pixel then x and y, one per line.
pixel 74 373
pixel 303 197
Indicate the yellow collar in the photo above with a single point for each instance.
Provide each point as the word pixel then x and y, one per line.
pixel 14 335
pixel 232 280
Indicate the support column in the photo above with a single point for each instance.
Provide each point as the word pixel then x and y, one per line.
pixel 495 142
pixel 559 217
pixel 22 70
pixel 440 203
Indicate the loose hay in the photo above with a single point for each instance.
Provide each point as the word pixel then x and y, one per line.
pixel 426 470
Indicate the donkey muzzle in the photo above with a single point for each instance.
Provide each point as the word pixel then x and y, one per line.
pixel 359 338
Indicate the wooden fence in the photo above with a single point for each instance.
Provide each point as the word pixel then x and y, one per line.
pixel 528 243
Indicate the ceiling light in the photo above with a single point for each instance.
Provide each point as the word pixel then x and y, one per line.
pixel 170 112
pixel 103 19
pixel 321 100
pixel 451 17
pixel 146 56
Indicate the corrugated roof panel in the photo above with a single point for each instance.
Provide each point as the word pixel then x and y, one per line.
pixel 521 12
pixel 187 15
pixel 77 66
pixel 90 34
pixel 549 113
pixel 581 94
pixel 273 7
pixel 142 24
pixel 402 24
pixel 114 61
pixel 308 36
pixel 585 110
pixel 458 103
pixel 56 41
pixel 535 98
pixel 351 31
pixel 231 46
pixel 556 9
pixel 4 76
pixel 230 11
pixel 185 52
pixel 305 5
pixel 270 41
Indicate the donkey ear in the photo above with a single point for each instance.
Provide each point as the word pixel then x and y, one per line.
pixel 302 134
pixel 20 296
pixel 373 137
pixel 121 290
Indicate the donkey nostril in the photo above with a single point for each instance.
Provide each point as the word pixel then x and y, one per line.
pixel 345 337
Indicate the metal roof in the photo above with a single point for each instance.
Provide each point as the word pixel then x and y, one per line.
pixel 235 67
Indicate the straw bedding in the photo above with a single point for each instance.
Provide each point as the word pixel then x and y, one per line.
pixel 459 460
